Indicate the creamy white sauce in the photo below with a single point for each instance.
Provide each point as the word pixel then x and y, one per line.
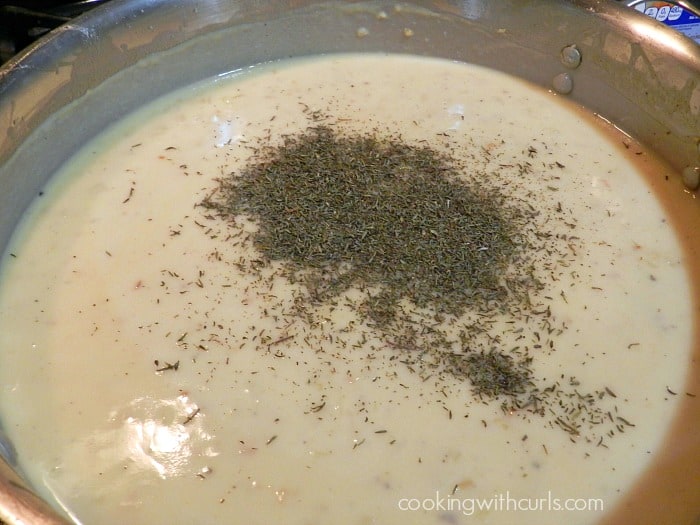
pixel 116 268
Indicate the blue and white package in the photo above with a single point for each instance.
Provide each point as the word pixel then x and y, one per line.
pixel 673 16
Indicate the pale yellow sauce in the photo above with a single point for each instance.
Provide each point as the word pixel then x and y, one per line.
pixel 116 267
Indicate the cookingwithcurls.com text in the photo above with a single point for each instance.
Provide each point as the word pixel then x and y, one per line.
pixel 500 502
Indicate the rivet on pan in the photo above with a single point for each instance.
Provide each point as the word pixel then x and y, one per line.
pixel 571 56
pixel 691 177
pixel 563 83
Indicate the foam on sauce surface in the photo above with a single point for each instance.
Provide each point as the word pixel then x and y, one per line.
pixel 175 386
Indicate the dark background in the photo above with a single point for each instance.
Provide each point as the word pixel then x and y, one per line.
pixel 23 21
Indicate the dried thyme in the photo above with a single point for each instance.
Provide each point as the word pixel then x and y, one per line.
pixel 439 253
pixel 364 211
pixel 493 373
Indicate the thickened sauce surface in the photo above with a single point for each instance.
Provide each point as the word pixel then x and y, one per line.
pixel 154 369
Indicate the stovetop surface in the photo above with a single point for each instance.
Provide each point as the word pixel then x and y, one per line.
pixel 24 21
